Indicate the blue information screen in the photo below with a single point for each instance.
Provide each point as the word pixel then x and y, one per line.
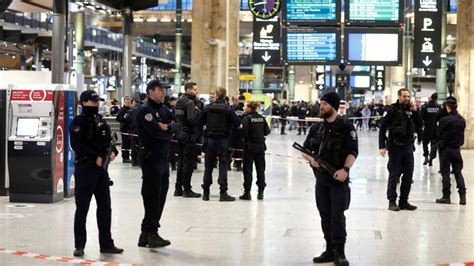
pixel 374 10
pixel 311 46
pixel 310 10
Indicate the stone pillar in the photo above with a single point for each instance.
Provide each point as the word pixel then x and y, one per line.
pixel 257 85
pixel 291 83
pixel 127 64
pixel 208 51
pixel 464 91
pixel 59 32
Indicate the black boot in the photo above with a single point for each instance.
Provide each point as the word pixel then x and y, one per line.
pixel 226 197
pixel 260 194
pixel 339 256
pixel 112 250
pixel 156 241
pixel 462 198
pixel 392 205
pixel 445 199
pixel 205 195
pixel 246 195
pixel 190 194
pixel 326 256
pixel 78 252
pixel 143 239
pixel 430 163
pixel 426 160
pixel 404 205
pixel 178 192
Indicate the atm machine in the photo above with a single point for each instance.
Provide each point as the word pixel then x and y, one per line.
pixel 36 143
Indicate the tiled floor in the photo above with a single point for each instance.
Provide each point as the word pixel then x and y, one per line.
pixel 281 230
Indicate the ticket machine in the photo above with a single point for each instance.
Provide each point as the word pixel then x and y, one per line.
pixel 36 143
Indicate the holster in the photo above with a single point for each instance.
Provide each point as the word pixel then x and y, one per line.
pixel 142 154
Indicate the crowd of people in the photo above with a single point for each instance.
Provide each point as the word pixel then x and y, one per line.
pixel 158 131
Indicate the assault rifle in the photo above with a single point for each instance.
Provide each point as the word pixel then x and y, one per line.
pixel 110 149
pixel 323 165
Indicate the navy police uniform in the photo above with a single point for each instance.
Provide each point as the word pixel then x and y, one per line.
pixel 236 142
pixel 450 132
pixel 155 168
pixel 428 114
pixel 402 123
pixel 254 130
pixel 125 121
pixel 90 139
pixel 218 117
pixel 186 112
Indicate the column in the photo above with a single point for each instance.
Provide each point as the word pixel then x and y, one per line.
pixel 441 73
pixel 215 50
pixel 59 32
pixel 291 83
pixel 464 90
pixel 258 71
pixel 127 63
pixel 38 56
pixel 79 37
pixel 408 60
pixel 179 47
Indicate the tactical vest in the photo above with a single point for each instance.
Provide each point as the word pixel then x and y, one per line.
pixel 217 118
pixel 431 111
pixel 182 113
pixel 401 124
pixel 256 133
pixel 98 133
pixel 332 147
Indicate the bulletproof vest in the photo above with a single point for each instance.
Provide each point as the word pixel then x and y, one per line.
pixel 256 132
pixel 431 110
pixel 217 118
pixel 402 125
pixel 98 133
pixel 332 148
pixel 182 113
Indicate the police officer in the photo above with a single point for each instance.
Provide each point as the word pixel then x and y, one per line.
pixel 284 112
pixel 135 144
pixel 334 141
pixel 302 112
pixel 236 140
pixel 186 112
pixel 428 114
pixel 402 120
pixel 254 130
pixel 123 118
pixel 155 129
pixel 217 117
pixel 90 139
pixel 451 137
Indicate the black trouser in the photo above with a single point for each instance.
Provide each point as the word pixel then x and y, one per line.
pixel 217 147
pixel 283 124
pixel 400 161
pixel 451 156
pixel 172 153
pixel 429 150
pixel 186 162
pixel 236 143
pixel 126 145
pixel 254 152
pixel 155 186
pixel 302 125
pixel 332 199
pixel 92 180
pixel 134 147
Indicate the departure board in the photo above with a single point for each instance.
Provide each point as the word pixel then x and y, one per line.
pixel 312 12
pixel 311 46
pixel 373 12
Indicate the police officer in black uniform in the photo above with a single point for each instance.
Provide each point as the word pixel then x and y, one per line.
pixel 254 130
pixel 134 140
pixel 334 141
pixel 450 132
pixel 236 140
pixel 155 129
pixel 125 121
pixel 302 112
pixel 187 111
pixel 90 139
pixel 218 117
pixel 284 112
pixel 402 120
pixel 428 114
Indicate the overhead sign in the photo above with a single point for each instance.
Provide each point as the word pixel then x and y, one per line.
pixel 427 44
pixel 311 45
pixel 379 78
pixel 373 12
pixel 247 77
pixel 266 41
pixel 320 78
pixel 312 12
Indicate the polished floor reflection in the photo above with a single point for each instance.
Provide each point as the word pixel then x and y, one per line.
pixel 281 230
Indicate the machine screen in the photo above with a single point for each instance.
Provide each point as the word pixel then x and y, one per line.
pixel 27 127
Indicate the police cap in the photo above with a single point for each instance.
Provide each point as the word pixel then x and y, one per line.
pixel 90 95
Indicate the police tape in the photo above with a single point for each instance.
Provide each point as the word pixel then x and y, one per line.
pixel 63 259
pixel 457 264
pixel 317 119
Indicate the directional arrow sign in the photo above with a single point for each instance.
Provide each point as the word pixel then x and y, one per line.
pixel 266 56
pixel 427 61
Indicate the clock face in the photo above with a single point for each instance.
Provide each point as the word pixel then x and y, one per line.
pixel 264 9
